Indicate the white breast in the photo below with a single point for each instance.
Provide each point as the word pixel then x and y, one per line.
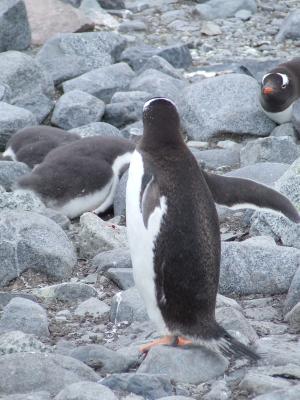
pixel 142 239
pixel 281 117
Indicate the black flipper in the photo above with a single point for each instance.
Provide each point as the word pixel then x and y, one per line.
pixel 149 197
pixel 230 191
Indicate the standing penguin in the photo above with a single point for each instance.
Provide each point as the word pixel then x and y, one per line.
pixel 280 88
pixel 173 233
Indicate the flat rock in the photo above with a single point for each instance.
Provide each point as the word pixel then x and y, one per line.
pixel 128 306
pixel 189 365
pixel 279 350
pixel 122 277
pixel 66 292
pixel 259 383
pixel 12 119
pixel 47 372
pixel 224 9
pixel 92 307
pixel 151 386
pixel 68 55
pixel 77 108
pixel 30 240
pixel 249 268
pixel 290 27
pixel 29 396
pixel 97 129
pixel 101 359
pixel 10 172
pixel 20 342
pixel 117 258
pixel 31 87
pixel 86 391
pixel 208 112
pixel 283 394
pixel 102 82
pixel 272 149
pixel 52 16
pixel 15 32
pixel 96 235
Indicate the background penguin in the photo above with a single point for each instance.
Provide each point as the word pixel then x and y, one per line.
pixel 80 176
pixel 280 88
pixel 31 145
pixel 174 236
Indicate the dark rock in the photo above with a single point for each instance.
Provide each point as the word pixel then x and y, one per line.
pixel 112 4
pixel 137 56
pixel 6 297
pixel 178 55
pixel 122 277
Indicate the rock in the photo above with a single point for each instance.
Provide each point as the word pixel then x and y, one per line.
pixel 189 366
pixel 172 398
pixel 219 391
pixel 223 301
pixel 224 9
pixel 101 359
pixel 279 350
pixel 293 317
pixel 128 306
pixel 263 172
pixel 283 394
pixel 31 87
pixel 51 17
pixel 133 132
pixel 112 4
pixel 137 56
pixel 162 65
pixel 30 240
pixel 151 386
pixel 74 3
pixel 97 129
pixel 210 29
pixel 257 383
pixel 244 15
pixel 92 307
pixel 24 315
pixel 12 119
pixel 121 114
pixel 290 27
pixel 158 84
pixel 67 292
pixel 86 391
pixel 5 297
pixel 96 235
pixel 5 93
pixel 120 196
pixel 49 372
pixel 293 295
pixel 208 112
pixel 132 26
pixel 296 116
pixel 289 183
pixel 286 129
pixel 19 342
pixel 20 200
pixel 249 268
pixel 60 219
pixel 117 258
pixel 10 172
pixel 68 55
pixel 177 55
pixel 273 149
pixel 31 396
pixel 216 158
pixel 102 82
pixel 122 277
pixel 98 15
pixel 77 108
pixel 14 27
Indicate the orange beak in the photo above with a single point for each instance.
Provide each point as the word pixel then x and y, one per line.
pixel 267 90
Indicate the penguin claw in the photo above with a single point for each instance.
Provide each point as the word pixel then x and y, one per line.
pixel 165 340
pixel 181 341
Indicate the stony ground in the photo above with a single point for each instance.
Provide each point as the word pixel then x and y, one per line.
pixel 71 320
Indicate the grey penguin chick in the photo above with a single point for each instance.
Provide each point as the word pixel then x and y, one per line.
pixel 31 145
pixel 173 233
pixel 280 88
pixel 81 176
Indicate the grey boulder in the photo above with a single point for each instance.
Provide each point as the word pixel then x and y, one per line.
pixel 66 292
pixel 293 296
pixel 224 8
pixel 215 158
pixel 282 394
pixel 97 129
pixel 29 396
pixel 118 258
pixel 10 172
pixel 86 391
pixel 20 200
pixel 20 342
pixel 93 308
pixel 122 277
pixel 290 28
pixel 128 306
pixel 161 64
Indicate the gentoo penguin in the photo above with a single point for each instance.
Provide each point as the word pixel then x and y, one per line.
pixel 31 145
pixel 280 88
pixel 80 176
pixel 173 232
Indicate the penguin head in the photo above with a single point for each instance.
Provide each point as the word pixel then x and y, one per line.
pixel 276 85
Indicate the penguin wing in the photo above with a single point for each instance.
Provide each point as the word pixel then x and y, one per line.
pixel 149 197
pixel 242 193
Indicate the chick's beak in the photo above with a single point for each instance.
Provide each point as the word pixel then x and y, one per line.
pixel 267 90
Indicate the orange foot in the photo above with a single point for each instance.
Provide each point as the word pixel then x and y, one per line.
pixel 167 341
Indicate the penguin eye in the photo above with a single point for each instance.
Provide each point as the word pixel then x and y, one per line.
pixel 284 86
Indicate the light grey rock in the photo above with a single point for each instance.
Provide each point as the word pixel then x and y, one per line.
pixel 92 307
pixel 286 129
pixel 31 87
pixel 208 112
pixel 283 394
pixel 120 196
pixel 101 359
pixel 224 9
pixel 6 297
pixel 97 129
pixel 5 93
pixel 189 366
pixel 46 372
pixel 77 108
pixel 118 258
pixel 290 27
pixel 219 391
pixel 96 235
pixel 86 391
pixel 98 15
pixel 24 315
pixel 29 396
pixel 102 82
pixel 289 183
pixel 10 172
pixel 279 350
pixel 174 398
pixel 19 342
pixel 132 96
pixel 132 26
pixel 258 383
pixel 151 386
pixel 133 131
pixel 216 158
pixel 161 64
pixel 20 200
pixel 30 240
pixel 61 219
pixel 244 15
pixel 121 114
pixel 296 116
pixel 128 306
pixel 248 268
pixel 14 27
pixel 293 317
pixel 68 55
pixel 223 301
pixel 122 277
pixel 273 149
pixel 293 295
pixel 66 292
pixel 267 172
pixel 12 119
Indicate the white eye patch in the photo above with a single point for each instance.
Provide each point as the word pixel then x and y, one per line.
pixel 148 103
pixel 264 77
pixel 285 79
